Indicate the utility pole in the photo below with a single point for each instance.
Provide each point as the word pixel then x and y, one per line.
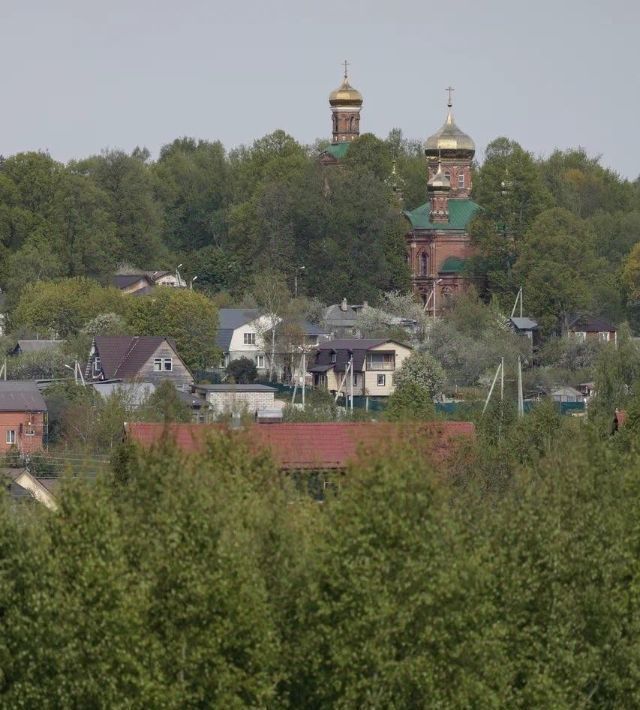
pixel 520 395
pixel 515 304
pixel 493 384
pixel 304 374
pixel 351 380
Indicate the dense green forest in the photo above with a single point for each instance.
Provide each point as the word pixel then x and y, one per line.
pixel 509 579
pixel 564 226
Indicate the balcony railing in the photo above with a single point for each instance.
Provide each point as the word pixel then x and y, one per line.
pixel 373 366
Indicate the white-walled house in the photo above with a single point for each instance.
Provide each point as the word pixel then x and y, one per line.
pixel 244 332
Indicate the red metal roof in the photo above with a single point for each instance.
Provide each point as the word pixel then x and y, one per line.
pixel 314 445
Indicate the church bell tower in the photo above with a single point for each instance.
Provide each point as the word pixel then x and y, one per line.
pixel 346 103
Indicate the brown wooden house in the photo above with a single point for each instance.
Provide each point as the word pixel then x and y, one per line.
pixel 139 357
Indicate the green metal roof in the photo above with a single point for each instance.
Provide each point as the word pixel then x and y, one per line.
pixel 452 265
pixel 338 150
pixel 461 213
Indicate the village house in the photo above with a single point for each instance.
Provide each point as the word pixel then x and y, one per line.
pixel 585 328
pixel 245 333
pixel 23 417
pixel 367 364
pixel 141 283
pixel 343 320
pixel 144 358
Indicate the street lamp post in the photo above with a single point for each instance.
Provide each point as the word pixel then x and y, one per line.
pixel 191 284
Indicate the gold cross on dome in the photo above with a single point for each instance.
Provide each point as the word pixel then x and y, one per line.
pixel 346 64
pixel 450 89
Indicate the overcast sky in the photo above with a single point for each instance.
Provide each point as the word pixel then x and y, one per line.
pixel 79 75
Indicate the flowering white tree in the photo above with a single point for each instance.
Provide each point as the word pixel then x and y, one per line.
pixel 421 370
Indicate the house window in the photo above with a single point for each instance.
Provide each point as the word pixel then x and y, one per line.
pixel 448 175
pixel 96 365
pixel 260 362
pixel 580 335
pixel 604 336
pixel 382 380
pixel 11 436
pixel 334 358
pixel 29 430
pixel 355 379
pixel 163 364
pixel 460 179
pixel 249 338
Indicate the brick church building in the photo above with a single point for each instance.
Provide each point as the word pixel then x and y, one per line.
pixel 438 242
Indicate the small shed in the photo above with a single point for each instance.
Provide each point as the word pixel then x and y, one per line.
pixel 567 394
pixel 523 326
pixel 238 399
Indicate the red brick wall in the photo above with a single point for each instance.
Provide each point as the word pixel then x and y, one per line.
pixel 438 246
pixel 21 423
pixel 346 125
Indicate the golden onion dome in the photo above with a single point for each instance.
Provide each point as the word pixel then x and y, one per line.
pixel 345 95
pixel 449 141
pixel 439 181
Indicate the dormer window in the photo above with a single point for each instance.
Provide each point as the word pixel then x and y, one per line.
pixel 333 358
pixel 96 365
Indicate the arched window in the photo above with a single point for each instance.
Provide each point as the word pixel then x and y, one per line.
pixel 424 264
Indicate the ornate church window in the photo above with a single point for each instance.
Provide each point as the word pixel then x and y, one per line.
pixel 424 264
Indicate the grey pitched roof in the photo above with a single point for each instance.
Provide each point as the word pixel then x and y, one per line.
pixel 524 323
pixel 21 396
pixel 335 315
pixel 125 280
pixel 136 392
pixel 32 346
pixel 232 318
pixel 312 329
pixel 122 356
pixel 229 319
pixel 236 317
